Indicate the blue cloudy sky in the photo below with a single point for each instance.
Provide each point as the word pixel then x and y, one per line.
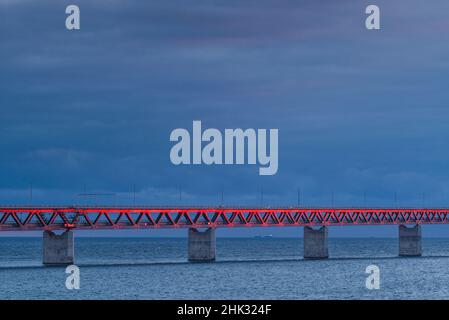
pixel 358 111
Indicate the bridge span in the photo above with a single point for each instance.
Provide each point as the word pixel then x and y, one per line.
pixel 59 248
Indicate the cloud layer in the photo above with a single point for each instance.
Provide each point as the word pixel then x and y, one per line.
pixel 357 111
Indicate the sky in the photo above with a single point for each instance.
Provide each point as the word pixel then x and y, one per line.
pixel 362 114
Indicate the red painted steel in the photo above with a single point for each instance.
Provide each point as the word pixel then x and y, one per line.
pixel 91 218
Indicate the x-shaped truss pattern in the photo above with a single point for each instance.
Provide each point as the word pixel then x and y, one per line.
pixel 53 218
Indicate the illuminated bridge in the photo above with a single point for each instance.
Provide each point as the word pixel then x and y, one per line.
pixel 58 249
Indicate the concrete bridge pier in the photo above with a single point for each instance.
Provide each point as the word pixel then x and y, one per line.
pixel 315 243
pixel 58 249
pixel 410 241
pixel 201 245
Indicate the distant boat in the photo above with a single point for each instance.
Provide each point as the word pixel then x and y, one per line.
pixel 264 237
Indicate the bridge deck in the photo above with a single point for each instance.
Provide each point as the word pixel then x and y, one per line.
pixel 29 218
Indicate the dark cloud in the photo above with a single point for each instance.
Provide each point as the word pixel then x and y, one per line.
pixel 356 110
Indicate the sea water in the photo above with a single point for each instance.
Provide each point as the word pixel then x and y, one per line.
pixel 246 268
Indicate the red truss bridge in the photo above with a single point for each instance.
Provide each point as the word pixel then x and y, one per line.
pixel 92 218
pixel 201 245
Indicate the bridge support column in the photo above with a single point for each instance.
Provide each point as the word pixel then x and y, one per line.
pixel 58 249
pixel 201 245
pixel 315 243
pixel 410 241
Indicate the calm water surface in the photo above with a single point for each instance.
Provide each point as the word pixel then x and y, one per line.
pixel 156 268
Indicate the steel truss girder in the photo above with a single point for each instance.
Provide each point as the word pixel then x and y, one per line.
pixel 91 218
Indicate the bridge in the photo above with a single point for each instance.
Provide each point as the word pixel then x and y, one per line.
pixel 59 248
